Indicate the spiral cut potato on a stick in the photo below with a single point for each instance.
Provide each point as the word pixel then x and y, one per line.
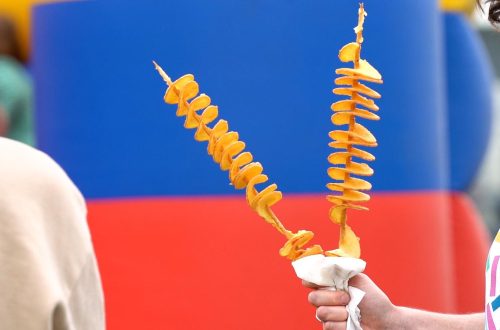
pixel 360 104
pixel 228 151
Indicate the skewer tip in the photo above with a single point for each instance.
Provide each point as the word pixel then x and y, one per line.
pixel 162 73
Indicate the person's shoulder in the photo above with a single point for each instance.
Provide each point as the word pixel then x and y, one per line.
pixel 19 157
pixel 28 173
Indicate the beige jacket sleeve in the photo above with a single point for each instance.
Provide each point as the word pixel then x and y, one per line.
pixel 48 272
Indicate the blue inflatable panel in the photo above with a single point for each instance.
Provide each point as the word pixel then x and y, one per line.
pixel 269 65
pixel 470 82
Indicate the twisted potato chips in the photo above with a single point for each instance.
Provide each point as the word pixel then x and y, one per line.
pixel 229 152
pixel 345 113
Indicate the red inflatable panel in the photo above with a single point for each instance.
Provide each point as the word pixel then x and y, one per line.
pixel 471 245
pixel 211 263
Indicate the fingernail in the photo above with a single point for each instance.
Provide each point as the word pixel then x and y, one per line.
pixel 311 297
pixel 317 318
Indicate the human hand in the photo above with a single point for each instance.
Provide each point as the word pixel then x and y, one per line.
pixel 377 311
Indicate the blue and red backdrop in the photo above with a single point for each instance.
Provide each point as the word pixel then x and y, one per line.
pixel 178 248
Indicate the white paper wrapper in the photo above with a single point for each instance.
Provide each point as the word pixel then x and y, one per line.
pixel 333 273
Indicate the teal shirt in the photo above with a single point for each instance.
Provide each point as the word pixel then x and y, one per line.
pixel 16 98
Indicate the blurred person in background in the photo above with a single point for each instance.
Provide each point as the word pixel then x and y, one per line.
pixel 16 95
pixel 377 311
pixel 49 277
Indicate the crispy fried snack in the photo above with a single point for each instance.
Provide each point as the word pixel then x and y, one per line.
pixel 228 151
pixel 346 112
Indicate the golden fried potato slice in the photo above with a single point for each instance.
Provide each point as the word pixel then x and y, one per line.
pixel 344 105
pixel 350 105
pixel 294 243
pixel 230 151
pixel 202 133
pixel 342 144
pixel 264 204
pixel 264 192
pixel 192 119
pixel 362 154
pixel 359 89
pixel 336 213
pixel 367 103
pixel 364 133
pixel 351 80
pixel 348 244
pixel 365 155
pixel 207 116
pixel 350 183
pixel 365 72
pixel 356 136
pixel 348 196
pixel 345 81
pixel 251 191
pixel 241 160
pixel 200 102
pixel 344 117
pixel 363 89
pixel 361 169
pixel 339 145
pixel 269 199
pixel 188 92
pixel 220 128
pixel 310 251
pixel 246 173
pixel 222 143
pixel 340 157
pixel 349 52
pixel 173 91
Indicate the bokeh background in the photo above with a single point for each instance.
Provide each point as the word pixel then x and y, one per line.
pixel 177 247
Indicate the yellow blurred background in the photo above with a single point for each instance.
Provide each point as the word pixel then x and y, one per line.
pixel 465 6
pixel 20 12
